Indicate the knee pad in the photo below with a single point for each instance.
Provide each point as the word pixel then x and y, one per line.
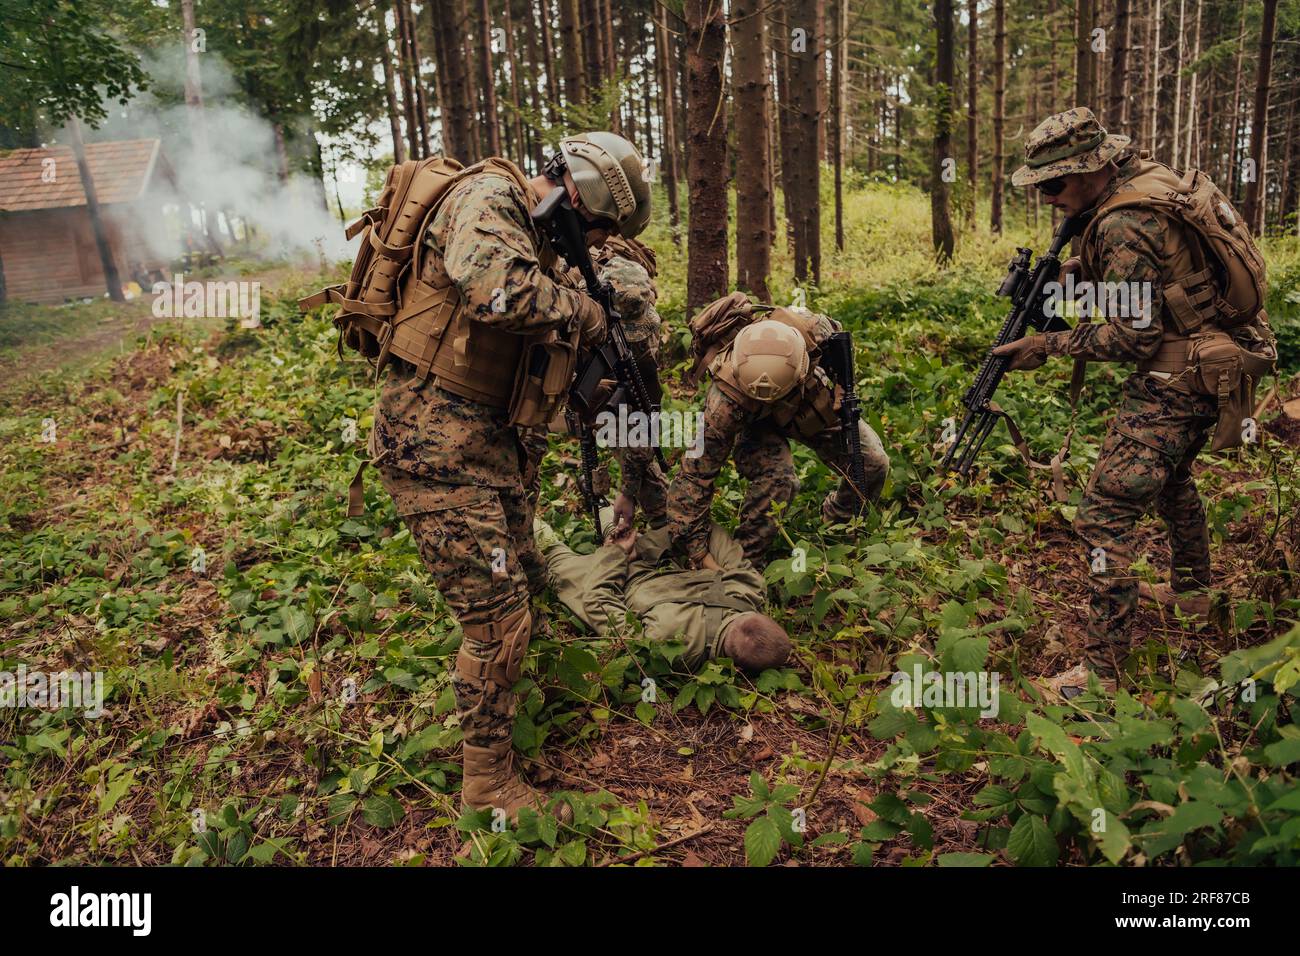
pixel 509 635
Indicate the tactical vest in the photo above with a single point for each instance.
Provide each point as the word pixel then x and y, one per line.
pixel 401 303
pixel 1216 341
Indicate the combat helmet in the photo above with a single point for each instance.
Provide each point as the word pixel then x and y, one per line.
pixel 769 359
pixel 610 177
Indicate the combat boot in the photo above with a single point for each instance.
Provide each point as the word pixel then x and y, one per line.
pixel 492 781
pixel 1193 604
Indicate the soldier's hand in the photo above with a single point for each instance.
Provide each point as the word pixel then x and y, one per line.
pixel 1025 354
pixel 1071 266
pixel 592 319
pixel 624 509
pixel 622 534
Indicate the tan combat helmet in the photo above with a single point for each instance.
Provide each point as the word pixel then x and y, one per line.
pixel 769 359
pixel 610 177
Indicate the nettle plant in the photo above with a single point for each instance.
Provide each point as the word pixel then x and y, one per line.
pixel 1200 772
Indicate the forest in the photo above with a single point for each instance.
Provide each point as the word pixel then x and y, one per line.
pixel 276 677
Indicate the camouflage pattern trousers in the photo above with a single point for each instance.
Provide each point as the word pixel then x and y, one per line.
pixel 1145 460
pixel 764 460
pixel 477 544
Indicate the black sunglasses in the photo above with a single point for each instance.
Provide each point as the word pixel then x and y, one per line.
pixel 1051 187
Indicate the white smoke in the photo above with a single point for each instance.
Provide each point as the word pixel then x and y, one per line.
pixel 238 172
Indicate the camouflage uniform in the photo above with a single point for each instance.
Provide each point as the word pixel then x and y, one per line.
pixel 1158 430
pixel 628 267
pixel 763 458
pixel 455 467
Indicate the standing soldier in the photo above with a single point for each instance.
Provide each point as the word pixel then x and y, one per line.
pixel 446 445
pixel 766 389
pixel 1175 238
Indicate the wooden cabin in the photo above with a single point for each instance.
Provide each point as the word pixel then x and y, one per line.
pixel 47 246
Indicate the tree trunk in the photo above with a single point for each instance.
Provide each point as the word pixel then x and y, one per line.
pixel 1084 91
pixel 574 88
pixel 668 164
pixel 593 44
pixel 422 107
pixel 410 80
pixel 390 91
pixel 839 75
pixel 999 109
pixel 940 217
pixel 706 156
pixel 548 53
pixel 1117 115
pixel 1254 208
pixel 111 278
pixel 512 60
pixel 749 85
pixel 1154 144
pixel 487 79
pixel 785 123
pixel 972 105
pixel 1178 86
pixel 1191 99
pixel 1234 166
pixel 806 76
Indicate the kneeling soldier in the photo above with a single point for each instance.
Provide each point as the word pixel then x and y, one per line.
pixel 765 391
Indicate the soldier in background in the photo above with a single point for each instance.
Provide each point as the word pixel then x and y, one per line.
pixel 455 464
pixel 1165 417
pixel 764 392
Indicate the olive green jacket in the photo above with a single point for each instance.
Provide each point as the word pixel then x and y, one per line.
pixel 692 606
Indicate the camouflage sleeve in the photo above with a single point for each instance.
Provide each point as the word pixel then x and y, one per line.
pixel 691 494
pixel 634 464
pixel 489 253
pixel 1130 243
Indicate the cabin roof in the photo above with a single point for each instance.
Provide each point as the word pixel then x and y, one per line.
pixel 122 170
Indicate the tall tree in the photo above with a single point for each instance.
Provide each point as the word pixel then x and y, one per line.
pixel 807 74
pixel 390 89
pixel 668 164
pixel 706 155
pixel 1116 113
pixel 487 78
pixel 999 111
pixel 1254 208
pixel 749 85
pixel 972 104
pixel 1084 91
pixel 839 83
pixel 940 216
pixel 571 40
pixel 404 74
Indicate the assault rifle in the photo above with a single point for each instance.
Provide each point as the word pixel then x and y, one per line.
pixel 613 360
pixel 1025 287
pixel 837 360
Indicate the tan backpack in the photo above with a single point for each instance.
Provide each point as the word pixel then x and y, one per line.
pixel 390 231
pixel 716 325
pixel 1228 287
